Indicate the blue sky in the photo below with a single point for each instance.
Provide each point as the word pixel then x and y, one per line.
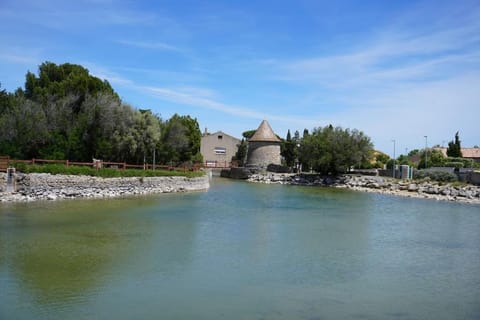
pixel 393 69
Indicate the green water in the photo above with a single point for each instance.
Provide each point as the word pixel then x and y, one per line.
pixel 241 251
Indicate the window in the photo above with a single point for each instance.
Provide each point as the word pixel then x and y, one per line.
pixel 220 150
pixel 220 137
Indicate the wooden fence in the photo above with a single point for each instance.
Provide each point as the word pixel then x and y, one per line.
pixel 5 161
pixel 98 164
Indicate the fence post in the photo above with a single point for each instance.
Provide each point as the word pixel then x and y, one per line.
pixel 33 161
pixel 124 165
pixel 67 163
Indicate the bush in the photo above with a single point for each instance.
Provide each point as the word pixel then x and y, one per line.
pixel 467 163
pixel 457 165
pixel 435 176
pixel 103 172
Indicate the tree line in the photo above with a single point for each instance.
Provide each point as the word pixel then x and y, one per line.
pixel 327 150
pixel 66 113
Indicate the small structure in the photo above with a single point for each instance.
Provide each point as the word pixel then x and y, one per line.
pixel 10 180
pixel 218 149
pixel 263 147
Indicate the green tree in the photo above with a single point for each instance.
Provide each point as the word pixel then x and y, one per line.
pixel 241 153
pixel 248 134
pixel 181 140
pixel 454 148
pixel 335 150
pixel 435 158
pixel 381 159
pixel 288 150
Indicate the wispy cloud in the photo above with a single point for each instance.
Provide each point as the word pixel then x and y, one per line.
pixel 195 96
pixel 403 82
pixel 73 15
pixel 18 58
pixel 393 55
pixel 150 45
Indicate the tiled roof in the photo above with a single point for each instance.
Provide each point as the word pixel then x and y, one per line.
pixel 471 152
pixel 466 152
pixel 264 133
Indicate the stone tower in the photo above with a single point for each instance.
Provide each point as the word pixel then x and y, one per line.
pixel 263 147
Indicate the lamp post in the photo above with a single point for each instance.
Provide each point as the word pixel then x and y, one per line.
pixel 393 168
pixel 426 151
pixel 154 158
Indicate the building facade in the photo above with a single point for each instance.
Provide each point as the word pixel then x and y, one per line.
pixel 264 147
pixel 218 149
pixel 468 153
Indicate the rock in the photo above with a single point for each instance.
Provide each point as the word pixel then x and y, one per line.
pixel 51 197
pixel 412 187
pixel 431 190
pixel 373 185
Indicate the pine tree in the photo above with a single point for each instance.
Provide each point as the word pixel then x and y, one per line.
pixel 454 148
pixel 288 151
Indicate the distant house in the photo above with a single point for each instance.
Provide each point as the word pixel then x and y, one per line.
pixel 218 149
pixel 468 153
pixel 471 153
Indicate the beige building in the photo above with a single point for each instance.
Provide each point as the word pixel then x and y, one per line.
pixel 468 153
pixel 218 149
pixel 264 147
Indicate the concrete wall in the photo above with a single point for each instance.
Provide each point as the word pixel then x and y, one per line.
pixel 218 140
pixel 474 178
pixel 263 153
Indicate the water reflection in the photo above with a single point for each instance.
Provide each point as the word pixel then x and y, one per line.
pixel 241 251
pixel 60 251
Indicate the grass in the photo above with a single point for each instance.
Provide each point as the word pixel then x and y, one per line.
pixel 103 172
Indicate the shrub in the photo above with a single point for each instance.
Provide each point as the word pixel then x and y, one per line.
pixel 467 163
pixel 103 172
pixel 457 165
pixel 435 175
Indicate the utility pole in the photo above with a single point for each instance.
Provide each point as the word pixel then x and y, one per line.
pixel 393 168
pixel 153 158
pixel 426 151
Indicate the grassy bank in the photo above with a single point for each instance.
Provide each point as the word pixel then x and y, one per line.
pixel 103 172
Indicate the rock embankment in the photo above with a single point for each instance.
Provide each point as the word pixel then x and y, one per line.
pixel 424 189
pixel 42 186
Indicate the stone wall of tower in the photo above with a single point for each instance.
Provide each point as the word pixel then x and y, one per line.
pixel 261 153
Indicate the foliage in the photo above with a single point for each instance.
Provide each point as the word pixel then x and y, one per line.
pixel 332 150
pixel 379 159
pixel 465 163
pixel 454 148
pixel 66 113
pixel 435 175
pixel 401 160
pixel 181 137
pixel 241 153
pixel 288 150
pixel 435 158
pixel 457 165
pixel 103 172
pixel 248 134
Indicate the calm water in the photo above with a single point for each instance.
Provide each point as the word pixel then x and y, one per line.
pixel 241 251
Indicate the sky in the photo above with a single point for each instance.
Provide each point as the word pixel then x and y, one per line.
pixel 396 70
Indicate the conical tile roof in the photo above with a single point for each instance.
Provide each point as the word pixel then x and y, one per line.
pixel 264 133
